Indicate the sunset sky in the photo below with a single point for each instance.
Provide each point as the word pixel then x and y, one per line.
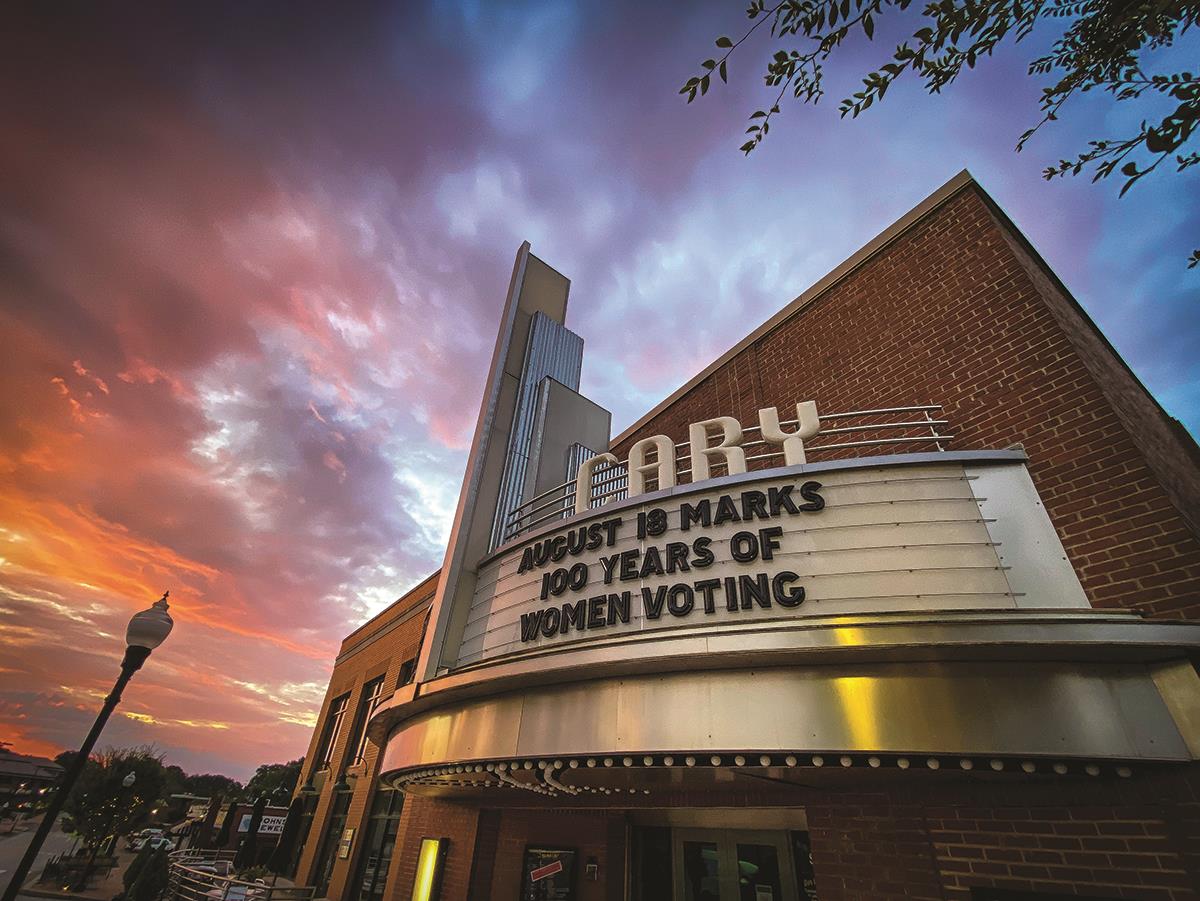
pixel 252 259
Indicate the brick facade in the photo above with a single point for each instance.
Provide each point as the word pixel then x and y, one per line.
pixel 954 307
pixel 430 818
pixel 589 833
pixel 379 648
pixel 1137 839
pixel 949 313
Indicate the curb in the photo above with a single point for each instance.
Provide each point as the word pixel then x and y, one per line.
pixel 44 893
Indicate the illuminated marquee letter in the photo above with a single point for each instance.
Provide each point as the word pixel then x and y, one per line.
pixel 727 450
pixel 793 442
pixel 583 480
pixel 662 469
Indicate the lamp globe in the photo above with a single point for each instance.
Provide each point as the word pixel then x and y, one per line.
pixel 151 627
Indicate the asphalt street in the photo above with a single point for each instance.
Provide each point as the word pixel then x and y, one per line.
pixel 12 847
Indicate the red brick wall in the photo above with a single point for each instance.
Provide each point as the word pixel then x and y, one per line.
pixel 1106 851
pixel 590 833
pixel 1129 839
pixel 378 648
pixel 868 847
pixel 483 865
pixel 949 313
pixel 487 848
pixel 431 818
pixel 1170 451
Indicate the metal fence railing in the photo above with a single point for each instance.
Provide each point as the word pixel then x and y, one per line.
pixel 197 875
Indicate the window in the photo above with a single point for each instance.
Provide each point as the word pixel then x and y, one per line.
pixel 408 671
pixel 375 856
pixel 329 842
pixel 366 706
pixel 333 731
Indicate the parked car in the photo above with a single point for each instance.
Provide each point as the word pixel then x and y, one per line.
pixel 157 842
pixel 141 836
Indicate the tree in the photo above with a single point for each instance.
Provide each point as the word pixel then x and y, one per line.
pixel 1101 44
pixel 275 780
pixel 64 758
pixel 211 784
pixel 101 805
pixel 174 780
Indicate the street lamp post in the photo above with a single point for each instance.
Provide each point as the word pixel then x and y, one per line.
pixel 147 630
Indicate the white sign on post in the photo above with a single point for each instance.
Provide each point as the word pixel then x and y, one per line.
pixel 270 825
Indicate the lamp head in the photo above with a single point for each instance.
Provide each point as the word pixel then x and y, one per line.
pixel 151 627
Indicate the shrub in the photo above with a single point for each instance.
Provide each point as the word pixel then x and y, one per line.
pixel 136 866
pixel 152 879
pixel 249 874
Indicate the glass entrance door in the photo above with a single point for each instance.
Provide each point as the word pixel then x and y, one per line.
pixel 733 865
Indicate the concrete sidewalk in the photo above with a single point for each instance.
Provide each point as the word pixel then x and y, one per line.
pixel 31 891
pixel 103 886
pixel 12 849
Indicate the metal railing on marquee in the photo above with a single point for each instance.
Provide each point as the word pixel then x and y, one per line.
pixel 845 435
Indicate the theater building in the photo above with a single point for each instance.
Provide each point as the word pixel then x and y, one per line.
pixel 897 598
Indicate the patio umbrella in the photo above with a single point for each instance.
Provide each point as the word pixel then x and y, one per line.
pixel 222 838
pixel 204 834
pixel 248 850
pixel 281 858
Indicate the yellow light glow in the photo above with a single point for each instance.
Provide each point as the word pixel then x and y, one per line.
pixel 859 697
pixel 427 869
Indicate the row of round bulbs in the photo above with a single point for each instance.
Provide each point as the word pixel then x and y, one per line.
pixel 717 760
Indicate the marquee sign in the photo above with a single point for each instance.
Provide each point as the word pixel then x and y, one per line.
pixel 903 533
pixel 639 564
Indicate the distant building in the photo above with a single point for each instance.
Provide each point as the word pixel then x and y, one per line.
pixel 897 598
pixel 23 778
pixel 269 828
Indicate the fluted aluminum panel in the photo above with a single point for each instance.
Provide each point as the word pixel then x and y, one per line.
pixel 575 457
pixel 552 351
